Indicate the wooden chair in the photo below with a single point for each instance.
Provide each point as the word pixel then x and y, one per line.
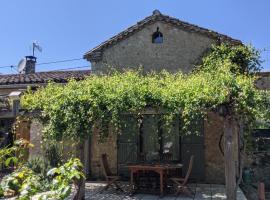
pixel 111 178
pixel 181 183
pixel 141 157
pixel 166 157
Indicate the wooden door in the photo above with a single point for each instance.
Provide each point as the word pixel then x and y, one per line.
pixel 194 145
pixel 150 138
pixel 127 145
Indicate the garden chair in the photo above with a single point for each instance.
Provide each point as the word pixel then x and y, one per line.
pixel 141 157
pixel 166 157
pixel 181 183
pixel 111 179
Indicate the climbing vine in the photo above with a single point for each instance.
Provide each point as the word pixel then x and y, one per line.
pixel 224 78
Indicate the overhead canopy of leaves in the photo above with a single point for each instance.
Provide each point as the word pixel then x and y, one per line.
pixel 72 110
pixel 244 59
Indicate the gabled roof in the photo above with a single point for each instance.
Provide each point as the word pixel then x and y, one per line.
pixel 95 54
pixel 43 77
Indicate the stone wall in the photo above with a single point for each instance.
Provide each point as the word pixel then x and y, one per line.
pixel 22 131
pixel 70 148
pixel 180 50
pixel 264 81
pixel 214 159
pixel 98 148
pixel 35 138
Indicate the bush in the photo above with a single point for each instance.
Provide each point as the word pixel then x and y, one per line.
pixel 1 192
pixel 23 182
pixel 39 165
pixel 69 173
pixel 53 153
pixel 26 182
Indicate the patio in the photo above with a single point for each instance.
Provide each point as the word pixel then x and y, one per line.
pixel 202 191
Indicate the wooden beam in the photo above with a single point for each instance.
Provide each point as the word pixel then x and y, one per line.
pixel 81 184
pixel 261 191
pixel 149 111
pixel 229 160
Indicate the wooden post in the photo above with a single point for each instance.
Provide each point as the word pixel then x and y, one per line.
pixel 261 191
pixel 81 185
pixel 86 157
pixel 230 171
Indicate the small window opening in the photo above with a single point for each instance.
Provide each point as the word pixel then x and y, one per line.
pixel 157 37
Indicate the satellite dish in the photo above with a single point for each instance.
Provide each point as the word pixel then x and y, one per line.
pixel 21 65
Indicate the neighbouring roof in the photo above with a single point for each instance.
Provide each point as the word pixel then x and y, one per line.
pixel 43 77
pixel 263 74
pixel 96 53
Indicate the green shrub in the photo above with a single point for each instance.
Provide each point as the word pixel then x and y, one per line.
pixel 15 154
pixel 26 182
pixel 69 173
pixel 39 165
pixel 23 182
pixel 53 153
pixel 1 192
pixel 31 185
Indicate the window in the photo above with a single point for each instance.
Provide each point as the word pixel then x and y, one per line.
pixel 157 37
pixel 157 142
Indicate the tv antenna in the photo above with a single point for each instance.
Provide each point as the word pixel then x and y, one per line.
pixel 36 46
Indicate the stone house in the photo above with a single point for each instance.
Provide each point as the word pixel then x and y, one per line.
pixel 13 85
pixel 155 43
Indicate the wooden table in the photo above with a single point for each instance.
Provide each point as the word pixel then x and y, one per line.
pixel 161 169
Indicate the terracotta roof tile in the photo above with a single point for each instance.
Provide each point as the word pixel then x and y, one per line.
pixel 43 77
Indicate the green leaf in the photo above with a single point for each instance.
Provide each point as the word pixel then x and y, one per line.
pixel 53 171
pixel 11 159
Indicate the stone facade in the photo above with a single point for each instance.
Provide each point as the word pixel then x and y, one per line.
pixel 214 159
pixel 32 132
pixel 264 81
pixel 180 50
pixel 35 138
pixel 35 129
pixel 214 148
pixel 97 148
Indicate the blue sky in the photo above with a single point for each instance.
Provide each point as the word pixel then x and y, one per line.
pixel 66 29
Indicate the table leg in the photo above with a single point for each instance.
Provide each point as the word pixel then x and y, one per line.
pixel 161 183
pixel 131 179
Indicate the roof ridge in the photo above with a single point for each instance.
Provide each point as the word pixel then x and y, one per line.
pixel 96 53
pixel 83 70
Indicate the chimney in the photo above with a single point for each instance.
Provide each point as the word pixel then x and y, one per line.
pixel 30 65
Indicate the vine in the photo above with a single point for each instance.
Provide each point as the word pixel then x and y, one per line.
pixel 224 78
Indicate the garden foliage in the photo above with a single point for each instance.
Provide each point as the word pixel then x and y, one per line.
pixel 14 155
pixel 224 79
pixel 25 182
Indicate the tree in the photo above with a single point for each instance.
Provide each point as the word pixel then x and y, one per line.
pixel 223 83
